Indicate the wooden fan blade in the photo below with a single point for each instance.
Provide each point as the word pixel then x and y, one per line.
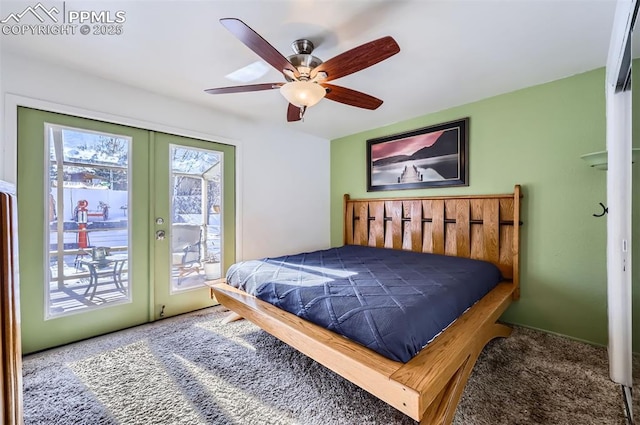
pixel 242 89
pixel 358 58
pixel 259 45
pixel 293 113
pixel 351 97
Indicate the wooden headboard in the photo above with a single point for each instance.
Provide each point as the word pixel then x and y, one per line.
pixel 485 227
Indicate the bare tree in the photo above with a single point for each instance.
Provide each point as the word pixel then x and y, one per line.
pixel 117 148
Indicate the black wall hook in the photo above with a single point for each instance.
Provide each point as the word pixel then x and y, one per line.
pixel 604 211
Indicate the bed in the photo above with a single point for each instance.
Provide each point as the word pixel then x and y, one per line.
pixel 426 386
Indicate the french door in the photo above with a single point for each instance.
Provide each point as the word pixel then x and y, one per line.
pixel 193 220
pixel 113 230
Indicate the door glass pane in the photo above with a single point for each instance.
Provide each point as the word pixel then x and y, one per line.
pixel 87 190
pixel 196 234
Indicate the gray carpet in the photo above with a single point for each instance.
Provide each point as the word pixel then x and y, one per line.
pixel 193 370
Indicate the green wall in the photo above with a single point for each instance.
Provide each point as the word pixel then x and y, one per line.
pixel 533 137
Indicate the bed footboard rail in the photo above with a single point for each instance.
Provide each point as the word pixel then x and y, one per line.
pixel 356 363
pixel 440 371
pixel 428 386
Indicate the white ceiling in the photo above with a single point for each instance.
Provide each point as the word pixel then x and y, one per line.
pixel 452 51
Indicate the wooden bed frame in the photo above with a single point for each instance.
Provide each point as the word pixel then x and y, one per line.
pixel 11 351
pixel 429 386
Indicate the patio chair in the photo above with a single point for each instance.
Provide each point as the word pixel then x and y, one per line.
pixel 186 249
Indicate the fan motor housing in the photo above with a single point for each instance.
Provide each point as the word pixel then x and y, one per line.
pixel 303 57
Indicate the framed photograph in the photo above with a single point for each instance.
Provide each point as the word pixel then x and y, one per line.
pixel 434 156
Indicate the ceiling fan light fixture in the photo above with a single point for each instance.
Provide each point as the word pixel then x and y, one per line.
pixel 303 93
pixel 307 76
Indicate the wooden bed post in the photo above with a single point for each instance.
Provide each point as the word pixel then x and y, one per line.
pixel 345 229
pixel 517 194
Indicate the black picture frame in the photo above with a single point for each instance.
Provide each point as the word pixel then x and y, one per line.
pixel 429 157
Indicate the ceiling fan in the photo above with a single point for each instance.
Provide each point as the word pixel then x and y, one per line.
pixel 307 76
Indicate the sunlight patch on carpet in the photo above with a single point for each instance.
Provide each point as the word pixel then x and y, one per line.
pixel 234 401
pixel 141 376
pixel 232 335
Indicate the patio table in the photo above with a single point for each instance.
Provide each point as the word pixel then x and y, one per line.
pixel 97 268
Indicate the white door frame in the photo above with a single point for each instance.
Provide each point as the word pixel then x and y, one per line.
pixel 619 150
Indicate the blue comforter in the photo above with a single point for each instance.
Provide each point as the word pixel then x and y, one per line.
pixel 394 302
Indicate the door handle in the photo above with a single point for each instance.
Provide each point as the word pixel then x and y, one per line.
pixel 160 235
